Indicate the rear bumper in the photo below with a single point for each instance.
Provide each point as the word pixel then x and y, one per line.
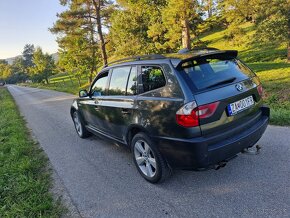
pixel 202 152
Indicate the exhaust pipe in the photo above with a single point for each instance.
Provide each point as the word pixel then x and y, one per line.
pixel 220 165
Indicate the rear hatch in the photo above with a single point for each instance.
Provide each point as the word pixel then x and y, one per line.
pixel 224 88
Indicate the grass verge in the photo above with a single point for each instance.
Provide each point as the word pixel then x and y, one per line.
pixel 24 176
pixel 275 78
pixel 61 87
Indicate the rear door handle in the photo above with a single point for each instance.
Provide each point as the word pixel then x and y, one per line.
pixel 125 111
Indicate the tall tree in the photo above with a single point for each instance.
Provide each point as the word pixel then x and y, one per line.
pixel 28 55
pixel 130 24
pixel 77 40
pixel 98 6
pixel 18 65
pixel 80 31
pixel 96 12
pixel 5 70
pixel 180 19
pixel 43 66
pixel 240 11
pixel 19 70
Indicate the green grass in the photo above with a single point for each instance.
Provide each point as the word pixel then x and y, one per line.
pixel 24 176
pixel 61 82
pixel 58 75
pixel 275 78
pixel 248 50
pixel 66 86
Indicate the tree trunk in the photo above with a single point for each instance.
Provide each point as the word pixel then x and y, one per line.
pixel 288 53
pixel 93 66
pixel 97 5
pixel 209 9
pixel 91 75
pixel 71 80
pixel 46 79
pixel 185 34
pixel 79 81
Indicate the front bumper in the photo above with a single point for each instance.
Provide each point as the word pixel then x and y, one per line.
pixel 203 152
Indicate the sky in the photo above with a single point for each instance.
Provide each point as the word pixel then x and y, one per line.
pixel 27 22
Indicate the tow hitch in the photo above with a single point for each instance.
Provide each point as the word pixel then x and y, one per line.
pixel 253 150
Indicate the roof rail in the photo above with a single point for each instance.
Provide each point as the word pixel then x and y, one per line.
pixel 137 58
pixel 185 50
pixel 205 48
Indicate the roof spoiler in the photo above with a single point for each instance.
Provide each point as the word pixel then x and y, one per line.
pixel 218 54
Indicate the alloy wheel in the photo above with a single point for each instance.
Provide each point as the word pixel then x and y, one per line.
pixel 145 158
pixel 78 124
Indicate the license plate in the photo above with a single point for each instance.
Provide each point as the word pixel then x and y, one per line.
pixel 240 105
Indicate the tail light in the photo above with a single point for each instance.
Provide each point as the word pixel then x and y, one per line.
pixel 260 90
pixel 190 114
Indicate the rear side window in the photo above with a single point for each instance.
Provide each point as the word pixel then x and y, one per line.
pixel 119 80
pixel 99 87
pixel 206 73
pixel 152 78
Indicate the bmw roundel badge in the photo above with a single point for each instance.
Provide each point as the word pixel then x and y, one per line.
pixel 239 87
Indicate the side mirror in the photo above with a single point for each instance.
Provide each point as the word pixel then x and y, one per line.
pixel 83 93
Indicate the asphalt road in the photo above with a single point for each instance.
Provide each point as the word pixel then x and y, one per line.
pixel 101 180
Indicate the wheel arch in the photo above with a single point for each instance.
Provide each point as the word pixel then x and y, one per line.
pixel 73 108
pixel 133 130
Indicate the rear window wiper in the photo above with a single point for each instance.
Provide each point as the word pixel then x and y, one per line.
pixel 232 79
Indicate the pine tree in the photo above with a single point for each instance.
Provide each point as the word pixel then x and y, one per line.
pixel 77 40
pixel 27 55
pixel 130 24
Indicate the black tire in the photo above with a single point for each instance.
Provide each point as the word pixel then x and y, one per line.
pixel 161 171
pixel 79 125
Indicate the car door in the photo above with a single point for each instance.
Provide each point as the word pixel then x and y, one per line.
pixel 119 105
pixel 91 106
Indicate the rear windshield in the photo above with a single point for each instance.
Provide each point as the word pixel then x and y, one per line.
pixel 208 73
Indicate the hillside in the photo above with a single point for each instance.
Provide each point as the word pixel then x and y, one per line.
pixel 249 51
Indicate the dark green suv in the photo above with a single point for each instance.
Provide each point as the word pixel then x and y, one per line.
pixel 190 110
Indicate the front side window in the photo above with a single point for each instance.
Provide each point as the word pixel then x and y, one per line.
pixel 152 78
pixel 132 82
pixel 99 87
pixel 119 80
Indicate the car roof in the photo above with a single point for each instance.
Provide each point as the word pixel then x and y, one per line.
pixel 177 59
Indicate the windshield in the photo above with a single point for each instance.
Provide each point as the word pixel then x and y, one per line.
pixel 207 73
